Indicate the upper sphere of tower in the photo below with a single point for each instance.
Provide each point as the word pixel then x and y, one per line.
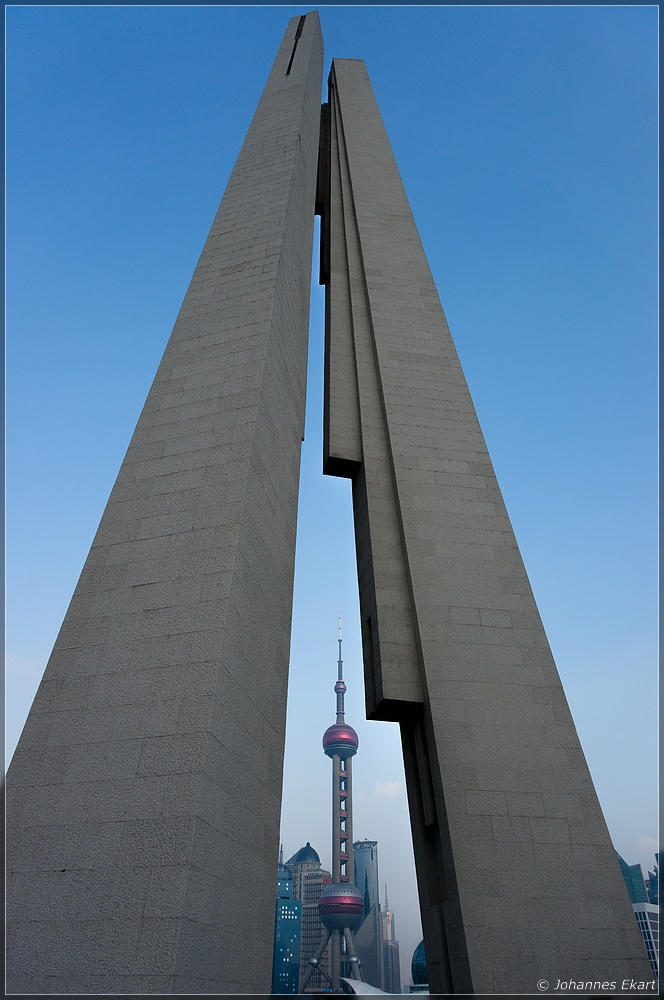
pixel 340 687
pixel 342 739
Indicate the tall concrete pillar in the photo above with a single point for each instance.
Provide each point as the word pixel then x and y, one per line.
pixel 517 877
pixel 144 796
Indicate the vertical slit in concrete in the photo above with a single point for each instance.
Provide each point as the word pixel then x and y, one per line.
pixel 323 192
pixel 298 33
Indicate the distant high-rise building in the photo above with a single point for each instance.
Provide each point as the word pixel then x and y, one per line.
pixel 652 883
pixel 391 965
pixel 633 876
pixel 369 937
pixel 387 918
pixel 309 879
pixel 645 910
pixel 287 934
pixel 647 916
pixel 369 944
pixel 365 854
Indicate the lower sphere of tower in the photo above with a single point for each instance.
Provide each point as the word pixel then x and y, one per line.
pixel 341 905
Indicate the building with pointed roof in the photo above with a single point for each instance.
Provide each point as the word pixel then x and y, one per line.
pixel 309 879
pixel 391 963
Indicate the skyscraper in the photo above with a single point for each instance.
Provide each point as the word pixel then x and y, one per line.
pixel 365 853
pixel 647 917
pixel 391 967
pixel 633 876
pixel 652 883
pixel 369 936
pixel 287 933
pixel 391 964
pixel 645 907
pixel 309 880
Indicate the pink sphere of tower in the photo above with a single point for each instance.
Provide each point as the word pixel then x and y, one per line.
pixel 340 906
pixel 342 739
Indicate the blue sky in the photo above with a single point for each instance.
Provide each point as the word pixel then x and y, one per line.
pixel 526 137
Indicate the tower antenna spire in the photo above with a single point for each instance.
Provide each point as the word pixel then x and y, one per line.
pixel 340 687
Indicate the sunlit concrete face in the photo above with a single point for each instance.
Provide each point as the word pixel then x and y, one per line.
pixel 517 877
pixel 144 796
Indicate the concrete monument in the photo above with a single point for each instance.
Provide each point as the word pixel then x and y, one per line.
pixel 144 796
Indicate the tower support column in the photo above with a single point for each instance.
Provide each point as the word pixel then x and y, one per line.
pixel 335 962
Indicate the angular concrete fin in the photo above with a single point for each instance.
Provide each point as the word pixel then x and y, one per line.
pixel 516 872
pixel 144 796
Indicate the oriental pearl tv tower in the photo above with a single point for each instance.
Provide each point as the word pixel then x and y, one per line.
pixel 341 904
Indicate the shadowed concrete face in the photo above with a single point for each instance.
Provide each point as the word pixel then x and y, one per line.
pixel 517 876
pixel 144 795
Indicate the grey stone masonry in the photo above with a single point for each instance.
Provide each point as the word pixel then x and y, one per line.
pixel 144 796
pixel 517 877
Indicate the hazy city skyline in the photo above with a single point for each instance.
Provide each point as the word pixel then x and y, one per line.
pixel 531 170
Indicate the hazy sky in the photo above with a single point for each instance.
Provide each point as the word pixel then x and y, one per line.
pixel 526 137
